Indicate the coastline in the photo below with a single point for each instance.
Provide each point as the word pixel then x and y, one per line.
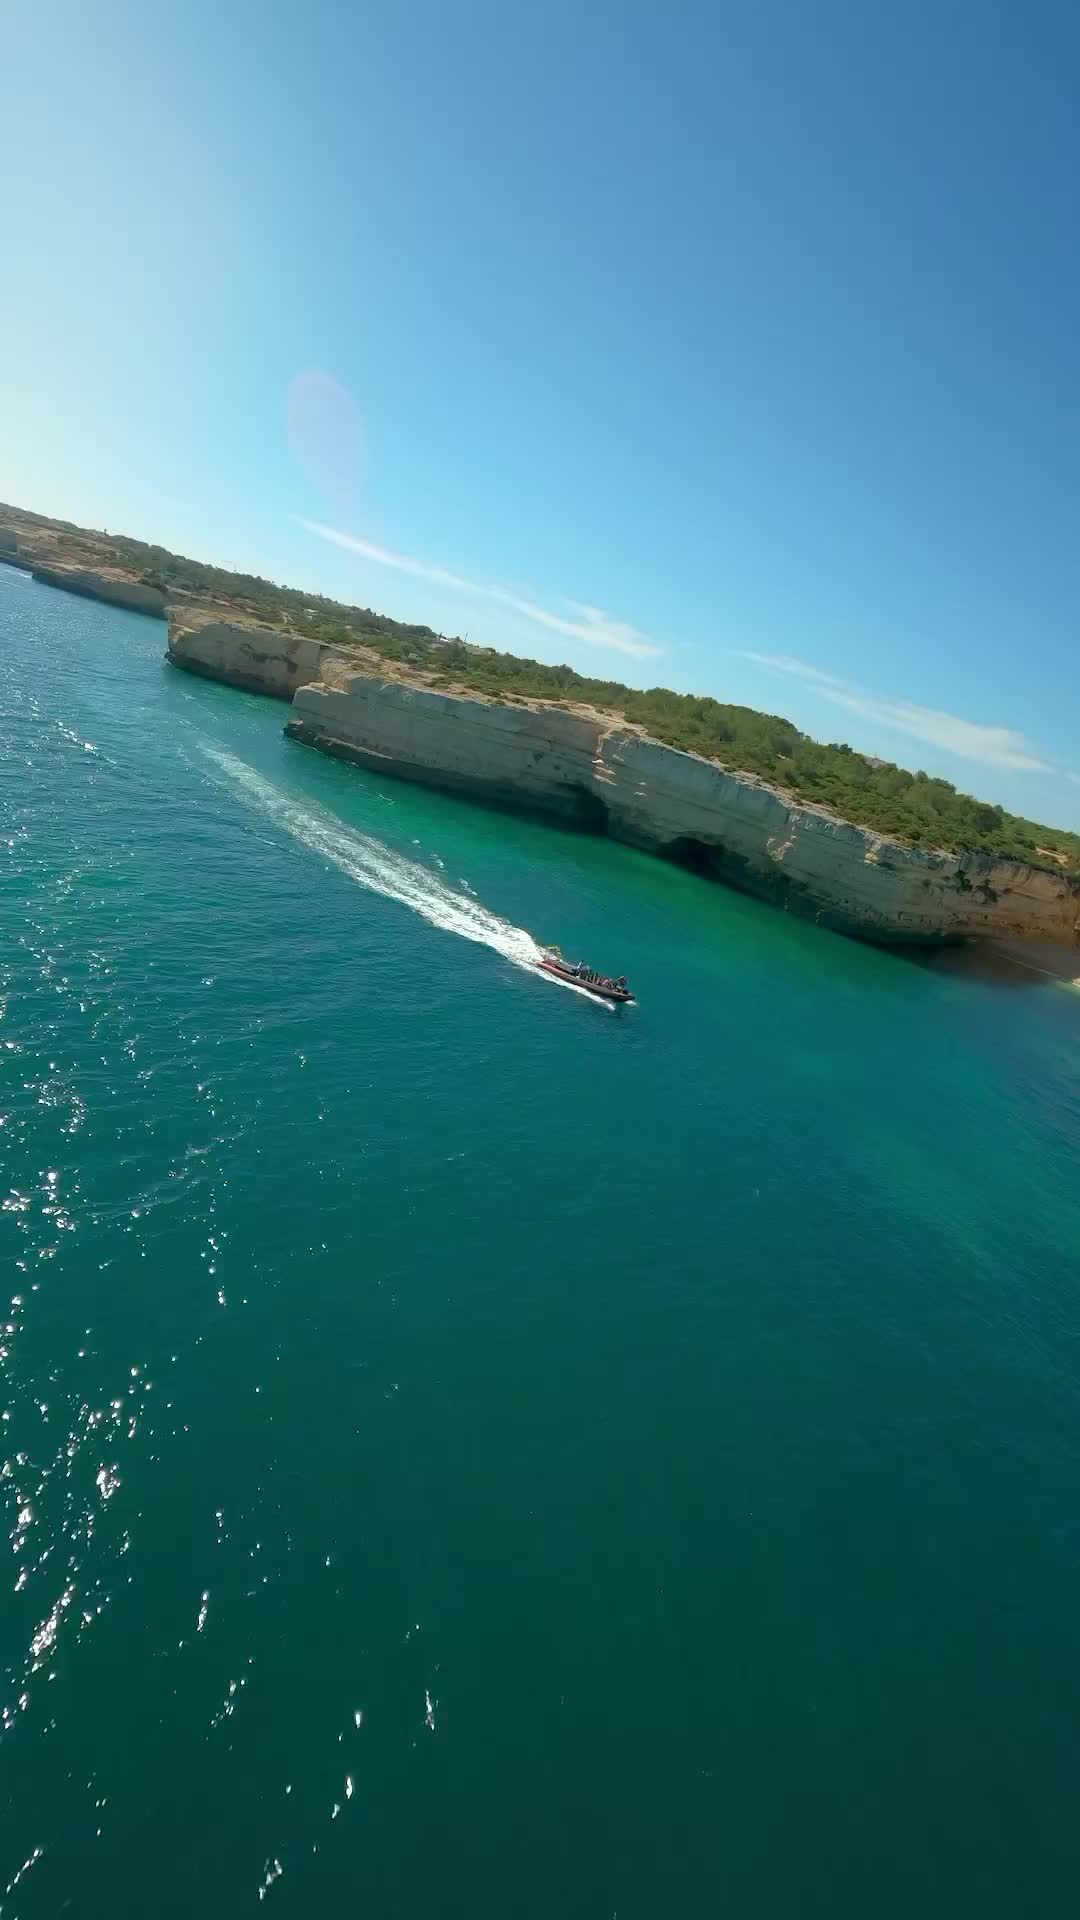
pixel 402 702
pixel 590 769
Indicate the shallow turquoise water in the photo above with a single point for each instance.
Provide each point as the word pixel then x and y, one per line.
pixel 470 1452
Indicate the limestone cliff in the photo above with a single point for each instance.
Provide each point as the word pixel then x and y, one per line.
pixel 117 589
pixel 259 659
pixel 594 770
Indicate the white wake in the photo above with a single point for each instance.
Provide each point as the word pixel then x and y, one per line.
pixel 374 866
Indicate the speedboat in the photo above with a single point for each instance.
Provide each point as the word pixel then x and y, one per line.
pixel 579 975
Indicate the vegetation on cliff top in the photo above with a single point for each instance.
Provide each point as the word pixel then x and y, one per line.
pixel 918 809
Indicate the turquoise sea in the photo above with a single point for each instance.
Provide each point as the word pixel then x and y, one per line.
pixel 466 1451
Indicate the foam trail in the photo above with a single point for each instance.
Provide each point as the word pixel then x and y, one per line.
pixel 374 866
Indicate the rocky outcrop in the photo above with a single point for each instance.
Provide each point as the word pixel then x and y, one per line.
pixel 259 659
pixel 118 590
pixel 593 770
pixel 9 550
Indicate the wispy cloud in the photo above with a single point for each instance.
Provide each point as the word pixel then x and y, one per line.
pixel 993 746
pixel 589 624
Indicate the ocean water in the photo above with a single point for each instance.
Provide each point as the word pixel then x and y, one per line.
pixel 467 1451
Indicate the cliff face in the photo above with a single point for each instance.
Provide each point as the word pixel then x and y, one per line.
pixel 256 658
pixel 541 758
pixel 118 591
pixel 591 769
pixel 850 877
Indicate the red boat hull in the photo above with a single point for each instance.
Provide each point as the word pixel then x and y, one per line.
pixel 620 995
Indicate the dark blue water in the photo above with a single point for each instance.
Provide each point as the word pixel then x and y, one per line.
pixel 467 1451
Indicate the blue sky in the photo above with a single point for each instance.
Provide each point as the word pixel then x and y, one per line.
pixel 732 347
